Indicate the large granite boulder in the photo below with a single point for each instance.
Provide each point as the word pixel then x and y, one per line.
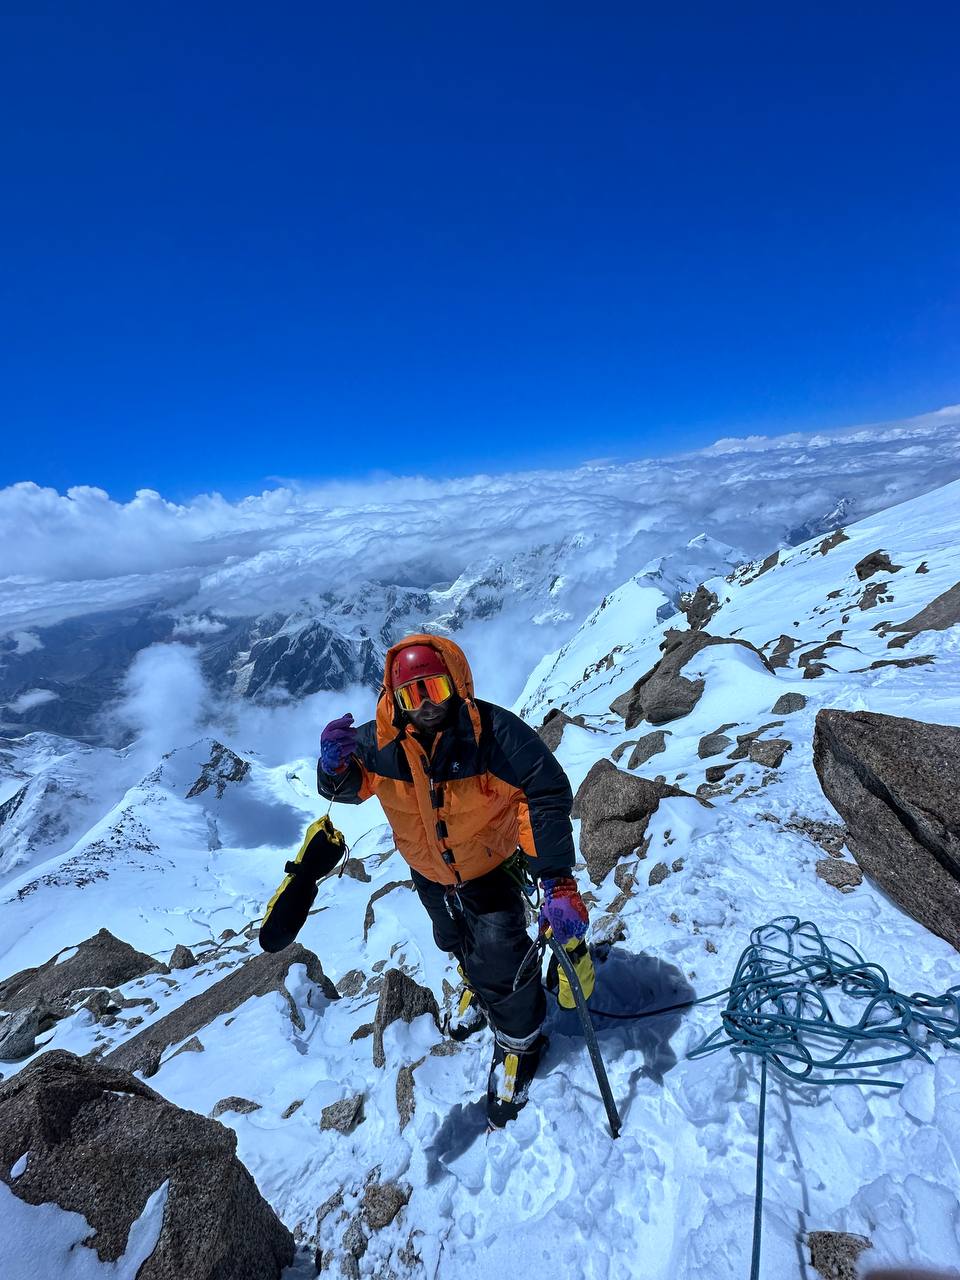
pixel 614 808
pixel 664 694
pixel 255 977
pixel 99 1142
pixel 101 961
pixel 894 782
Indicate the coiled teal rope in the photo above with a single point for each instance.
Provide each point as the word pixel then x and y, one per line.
pixel 778 1011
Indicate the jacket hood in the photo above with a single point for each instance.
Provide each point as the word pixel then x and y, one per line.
pixel 390 719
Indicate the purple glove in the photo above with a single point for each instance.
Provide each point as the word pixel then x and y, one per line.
pixel 563 910
pixel 338 742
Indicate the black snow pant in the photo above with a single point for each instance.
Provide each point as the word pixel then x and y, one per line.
pixel 483 925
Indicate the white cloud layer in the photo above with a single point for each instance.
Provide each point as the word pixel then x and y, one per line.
pixel 32 698
pixel 65 554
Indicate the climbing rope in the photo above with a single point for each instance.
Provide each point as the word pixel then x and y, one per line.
pixel 778 1011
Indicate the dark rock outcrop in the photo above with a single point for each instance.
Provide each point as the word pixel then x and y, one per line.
pixel 242 1106
pixel 651 744
pixel 255 977
pixel 182 957
pixel 787 703
pixel 833 540
pixel 614 809
pixel 713 744
pixel 351 984
pixel 875 562
pixel 769 752
pixel 18 1033
pixel 101 1143
pixel 663 694
pixel 554 723
pixel 223 766
pixel 100 961
pixel 893 781
pixel 400 997
pixel 699 606
pixel 782 650
pixel 938 615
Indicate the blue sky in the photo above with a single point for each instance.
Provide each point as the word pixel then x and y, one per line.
pixel 303 241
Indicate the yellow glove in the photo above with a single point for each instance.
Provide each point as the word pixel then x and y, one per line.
pixel 557 979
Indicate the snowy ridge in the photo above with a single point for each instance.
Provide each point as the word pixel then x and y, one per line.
pixel 673 1197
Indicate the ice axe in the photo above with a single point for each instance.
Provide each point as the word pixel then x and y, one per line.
pixel 589 1032
pixel 516 869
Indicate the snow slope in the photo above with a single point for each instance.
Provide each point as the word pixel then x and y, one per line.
pixel 673 1197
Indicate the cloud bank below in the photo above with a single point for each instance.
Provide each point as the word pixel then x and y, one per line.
pixel 66 554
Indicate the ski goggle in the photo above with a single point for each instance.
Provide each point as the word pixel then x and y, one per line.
pixel 431 689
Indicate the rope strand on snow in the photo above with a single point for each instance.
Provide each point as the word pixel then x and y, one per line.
pixel 777 1010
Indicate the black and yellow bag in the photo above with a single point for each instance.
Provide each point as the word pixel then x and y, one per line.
pixel 322 848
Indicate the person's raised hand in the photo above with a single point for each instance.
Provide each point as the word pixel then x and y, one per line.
pixel 338 742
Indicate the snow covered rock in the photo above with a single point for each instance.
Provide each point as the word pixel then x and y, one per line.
pixel 101 1143
pixel 614 809
pixel 893 781
pixel 263 973
pixel 699 607
pixel 400 997
pixel 223 766
pixel 100 961
pixel 938 615
pixel 555 721
pixel 664 693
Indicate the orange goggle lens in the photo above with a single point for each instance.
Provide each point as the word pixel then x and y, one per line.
pixel 432 689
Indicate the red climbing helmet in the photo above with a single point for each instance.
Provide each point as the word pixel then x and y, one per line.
pixel 416 662
pixel 419 674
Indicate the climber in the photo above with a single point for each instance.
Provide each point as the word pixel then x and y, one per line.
pixel 466 785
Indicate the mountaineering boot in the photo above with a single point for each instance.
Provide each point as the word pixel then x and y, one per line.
pixel 464 1015
pixel 513 1067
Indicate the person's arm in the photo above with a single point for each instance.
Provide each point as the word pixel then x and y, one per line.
pixel 519 756
pixel 522 758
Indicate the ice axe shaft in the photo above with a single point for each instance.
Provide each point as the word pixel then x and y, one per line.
pixel 590 1035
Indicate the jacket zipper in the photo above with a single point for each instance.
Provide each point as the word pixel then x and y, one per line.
pixel 436 801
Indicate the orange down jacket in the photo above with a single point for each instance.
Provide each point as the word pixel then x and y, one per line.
pixel 485 786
